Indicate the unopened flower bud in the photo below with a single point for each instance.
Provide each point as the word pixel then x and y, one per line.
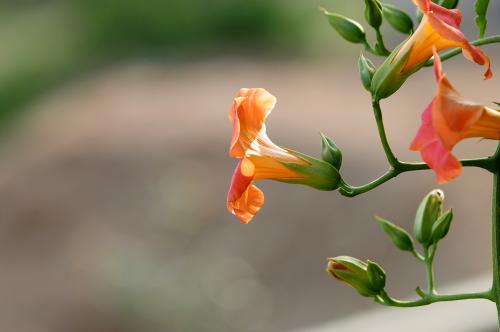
pixel 348 28
pixel 373 13
pixel 397 18
pixel 355 273
pixel 428 212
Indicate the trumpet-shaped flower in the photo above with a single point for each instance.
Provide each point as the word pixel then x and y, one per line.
pixel 447 120
pixel 260 158
pixel 440 29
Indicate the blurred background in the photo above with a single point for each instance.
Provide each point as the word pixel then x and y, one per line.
pixel 115 167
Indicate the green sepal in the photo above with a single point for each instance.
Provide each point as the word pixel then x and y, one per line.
pixel 442 226
pixel 376 276
pixel 314 173
pixel 389 77
pixel 450 4
pixel 481 8
pixel 428 212
pixel 366 71
pixel 401 238
pixel 373 13
pixel 330 152
pixel 348 28
pixel 398 18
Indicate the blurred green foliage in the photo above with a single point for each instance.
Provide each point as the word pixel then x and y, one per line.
pixel 45 43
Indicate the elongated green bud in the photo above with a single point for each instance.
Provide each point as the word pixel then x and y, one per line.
pixel 373 13
pixel 330 152
pixel 348 28
pixel 428 212
pixel 366 71
pixel 354 272
pixel 398 236
pixel 397 18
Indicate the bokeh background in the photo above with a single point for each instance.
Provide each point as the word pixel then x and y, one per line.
pixel 114 167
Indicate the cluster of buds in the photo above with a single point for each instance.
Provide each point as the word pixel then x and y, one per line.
pixel 431 226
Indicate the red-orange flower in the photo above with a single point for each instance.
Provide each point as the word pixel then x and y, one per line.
pixel 448 119
pixel 440 28
pixel 260 158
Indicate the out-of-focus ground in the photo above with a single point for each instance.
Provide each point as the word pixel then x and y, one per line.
pixel 113 208
pixel 114 167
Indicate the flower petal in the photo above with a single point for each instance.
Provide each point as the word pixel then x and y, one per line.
pixel 433 151
pixel 248 113
pixel 440 28
pixel 444 164
pixel 244 199
pixel 453 35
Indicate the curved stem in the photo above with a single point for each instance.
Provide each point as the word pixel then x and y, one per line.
pixel 387 300
pixel 450 54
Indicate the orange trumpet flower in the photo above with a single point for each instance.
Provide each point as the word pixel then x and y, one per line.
pixel 260 158
pixel 440 29
pixel 447 120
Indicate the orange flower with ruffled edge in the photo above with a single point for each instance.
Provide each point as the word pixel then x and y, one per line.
pixel 260 158
pixel 440 29
pixel 447 120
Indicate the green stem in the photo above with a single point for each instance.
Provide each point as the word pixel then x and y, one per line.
pixel 450 54
pixel 429 267
pixel 387 300
pixel 495 225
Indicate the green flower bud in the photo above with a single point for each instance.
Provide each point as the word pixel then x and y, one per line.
pixel 442 226
pixel 316 173
pixel 428 212
pixel 354 272
pixel 390 76
pixel 450 4
pixel 373 13
pixel 397 18
pixel 366 71
pixel 399 236
pixel 349 29
pixel 330 152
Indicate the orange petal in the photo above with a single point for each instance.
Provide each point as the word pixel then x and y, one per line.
pixel 440 28
pixel 244 199
pixel 248 113
pixel 444 164
pixel 453 35
pixel 433 151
